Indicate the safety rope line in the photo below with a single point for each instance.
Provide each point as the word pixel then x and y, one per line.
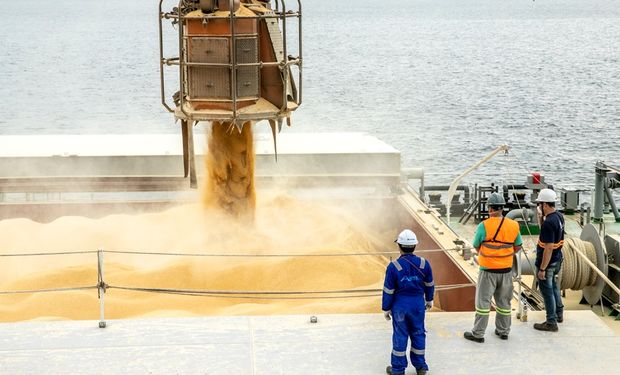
pixel 223 255
pixel 233 293
pixel 47 290
pixel 347 293
pixel 242 292
pixel 42 254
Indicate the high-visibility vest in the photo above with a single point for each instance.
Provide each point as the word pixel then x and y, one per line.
pixel 497 249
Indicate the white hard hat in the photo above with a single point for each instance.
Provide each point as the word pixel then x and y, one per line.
pixel 407 238
pixel 547 195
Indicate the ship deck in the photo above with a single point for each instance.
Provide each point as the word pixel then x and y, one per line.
pixel 290 344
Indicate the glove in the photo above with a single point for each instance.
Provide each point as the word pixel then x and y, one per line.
pixel 387 315
pixel 428 305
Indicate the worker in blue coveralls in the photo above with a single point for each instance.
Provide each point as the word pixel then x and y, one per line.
pixel 407 293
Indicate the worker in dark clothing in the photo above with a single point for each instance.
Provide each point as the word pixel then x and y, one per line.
pixel 407 293
pixel 549 260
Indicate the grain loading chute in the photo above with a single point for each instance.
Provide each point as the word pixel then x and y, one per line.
pixel 234 67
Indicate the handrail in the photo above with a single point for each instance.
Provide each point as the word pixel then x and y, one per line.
pixel 102 286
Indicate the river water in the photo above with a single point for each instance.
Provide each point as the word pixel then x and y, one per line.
pixel 443 81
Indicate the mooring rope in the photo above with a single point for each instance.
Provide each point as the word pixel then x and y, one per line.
pixel 576 274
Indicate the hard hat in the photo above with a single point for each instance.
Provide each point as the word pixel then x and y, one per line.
pixel 496 199
pixel 547 195
pixel 407 238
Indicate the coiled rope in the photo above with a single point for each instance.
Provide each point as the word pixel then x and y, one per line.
pixel 576 274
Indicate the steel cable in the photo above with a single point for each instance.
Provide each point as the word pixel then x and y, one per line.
pixel 43 254
pixel 346 293
pixel 273 255
pixel 47 290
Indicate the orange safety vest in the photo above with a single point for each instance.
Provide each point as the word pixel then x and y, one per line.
pixel 497 249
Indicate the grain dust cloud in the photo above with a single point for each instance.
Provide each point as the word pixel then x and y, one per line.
pixel 281 224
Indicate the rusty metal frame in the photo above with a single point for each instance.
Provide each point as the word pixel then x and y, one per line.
pixel 280 14
pixel 188 120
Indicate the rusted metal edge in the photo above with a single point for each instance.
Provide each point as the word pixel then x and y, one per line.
pixel 78 184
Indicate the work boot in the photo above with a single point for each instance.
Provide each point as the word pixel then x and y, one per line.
pixel 388 370
pixel 421 371
pixel 559 319
pixel 470 336
pixel 546 326
pixel 503 336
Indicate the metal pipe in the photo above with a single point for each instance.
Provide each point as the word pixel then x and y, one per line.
pixel 101 290
pixel 456 181
pixel 445 188
pixel 524 213
pixel 182 60
pixel 259 64
pixel 285 73
pixel 193 183
pixel 161 62
pixel 291 14
pixel 300 84
pixel 233 53
pixel 599 199
pixel 612 203
pixel 185 138
pixel 521 312
pixel 170 16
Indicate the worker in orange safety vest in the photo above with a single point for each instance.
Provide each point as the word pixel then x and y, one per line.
pixel 497 239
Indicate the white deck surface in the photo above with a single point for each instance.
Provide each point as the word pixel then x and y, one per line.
pixel 320 154
pixel 337 344
pixel 171 144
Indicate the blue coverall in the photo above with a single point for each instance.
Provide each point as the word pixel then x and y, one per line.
pixel 408 284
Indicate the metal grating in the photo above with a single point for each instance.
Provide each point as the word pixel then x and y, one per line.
pixel 276 39
pixel 247 50
pixel 247 76
pixel 214 82
pixel 209 50
pixel 209 82
pixel 247 81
